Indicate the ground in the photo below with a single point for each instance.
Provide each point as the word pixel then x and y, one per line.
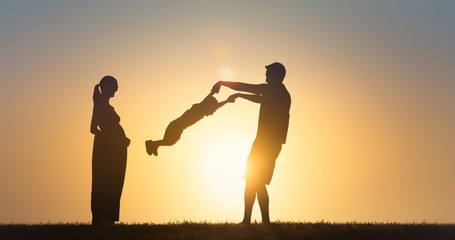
pixel 221 231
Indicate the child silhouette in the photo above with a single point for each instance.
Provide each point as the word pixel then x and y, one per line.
pixel 175 129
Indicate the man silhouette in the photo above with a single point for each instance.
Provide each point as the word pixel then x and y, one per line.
pixel 273 125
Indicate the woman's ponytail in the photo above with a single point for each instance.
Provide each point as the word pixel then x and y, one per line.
pixel 96 93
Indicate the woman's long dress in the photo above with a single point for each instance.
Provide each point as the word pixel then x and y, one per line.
pixel 108 165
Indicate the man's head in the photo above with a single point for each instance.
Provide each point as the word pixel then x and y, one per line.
pixel 275 73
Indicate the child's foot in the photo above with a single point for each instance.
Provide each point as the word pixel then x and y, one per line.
pixel 151 147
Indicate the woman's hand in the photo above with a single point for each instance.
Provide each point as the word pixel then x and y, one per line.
pixel 95 131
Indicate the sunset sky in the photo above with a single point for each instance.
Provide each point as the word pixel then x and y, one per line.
pixel 372 128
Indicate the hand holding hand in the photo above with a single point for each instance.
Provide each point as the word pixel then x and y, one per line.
pixel 232 98
pixel 216 87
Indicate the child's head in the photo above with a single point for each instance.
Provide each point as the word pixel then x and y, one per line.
pixel 210 105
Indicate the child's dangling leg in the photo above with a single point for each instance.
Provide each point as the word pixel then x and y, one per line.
pixel 152 147
pixel 173 132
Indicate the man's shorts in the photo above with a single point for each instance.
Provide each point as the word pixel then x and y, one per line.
pixel 261 161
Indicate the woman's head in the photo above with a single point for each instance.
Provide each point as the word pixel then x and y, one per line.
pixel 106 88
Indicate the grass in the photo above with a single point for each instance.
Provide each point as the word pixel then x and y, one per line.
pixel 221 231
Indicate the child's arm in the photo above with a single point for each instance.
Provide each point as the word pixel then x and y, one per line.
pixel 230 99
pixel 220 104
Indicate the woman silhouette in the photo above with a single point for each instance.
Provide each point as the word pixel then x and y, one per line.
pixel 109 154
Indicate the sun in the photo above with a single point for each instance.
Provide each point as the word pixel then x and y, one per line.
pixel 224 168
pixel 226 72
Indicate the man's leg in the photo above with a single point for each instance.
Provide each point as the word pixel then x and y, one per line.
pixel 263 199
pixel 250 196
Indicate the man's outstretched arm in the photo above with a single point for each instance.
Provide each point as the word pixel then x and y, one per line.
pixel 230 99
pixel 251 97
pixel 239 86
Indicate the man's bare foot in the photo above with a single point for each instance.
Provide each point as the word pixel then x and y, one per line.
pixel 244 223
pixel 151 147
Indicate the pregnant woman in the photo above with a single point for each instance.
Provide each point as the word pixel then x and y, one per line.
pixel 109 154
